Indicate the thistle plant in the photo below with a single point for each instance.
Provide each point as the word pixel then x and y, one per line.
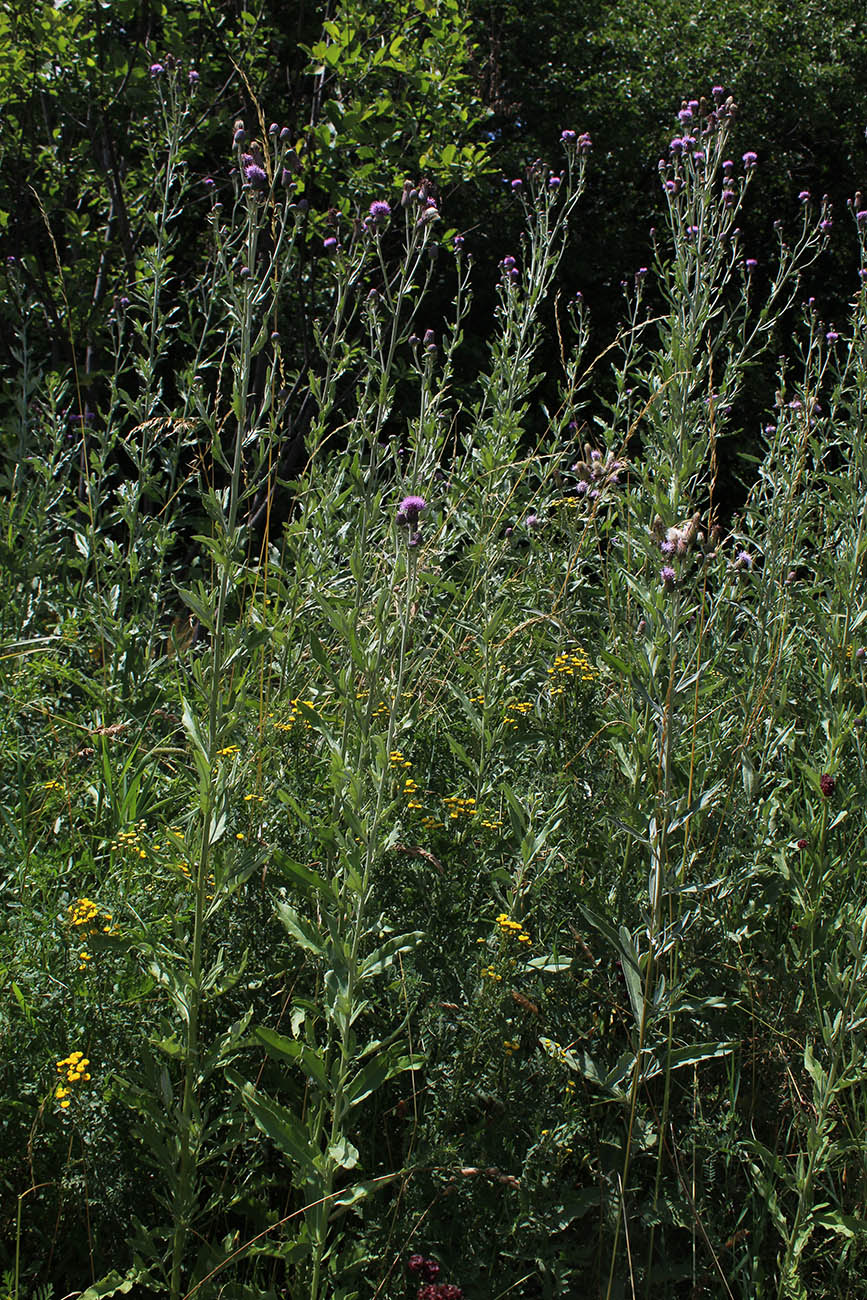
pixel 448 809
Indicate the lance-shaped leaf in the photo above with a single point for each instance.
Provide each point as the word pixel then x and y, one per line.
pixel 286 1131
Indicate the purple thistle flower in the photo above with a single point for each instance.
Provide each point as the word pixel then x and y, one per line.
pixel 862 274
pixel 458 243
pixel 517 185
pixel 744 560
pixel 861 217
pixel 409 510
pixel 728 166
pixel 553 182
pixel 676 144
pixel 804 196
pixel 750 160
pixel 532 522
pixel 380 211
pixel 585 144
pixel 329 245
pixel 156 69
pixel 208 182
pixel 826 225
pixel 273 128
pixel 751 265
pixel 568 137
pixel 256 177
pixel 832 335
pixel 717 92
pixel 668 575
pixel 684 116
pixel 239 137
pixel 193 77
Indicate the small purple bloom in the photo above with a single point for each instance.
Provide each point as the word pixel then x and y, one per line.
pixel 553 182
pixel 751 265
pixel 239 137
pixel 256 177
pixel 832 335
pixel 861 217
pixel 273 128
pixel 193 77
pixel 676 144
pixel 409 510
pixel 684 116
pixel 728 166
pixel 329 245
pixel 380 211
pixel 568 137
pixel 517 185
pixel 156 69
pixel 750 159
pixel 826 225
pixel 804 196
pixel 208 182
pixel 717 92
pixel 458 243
pixel 668 575
pixel 532 522
pixel 744 560
pixel 285 133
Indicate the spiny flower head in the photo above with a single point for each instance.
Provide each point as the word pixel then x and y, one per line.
pixel 409 510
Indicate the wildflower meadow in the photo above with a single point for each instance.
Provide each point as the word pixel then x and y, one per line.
pixel 432 797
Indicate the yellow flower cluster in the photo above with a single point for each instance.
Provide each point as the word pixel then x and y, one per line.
pixel 431 823
pixel 292 716
pixel 491 825
pixel 517 709
pixel 84 915
pixel 554 1049
pixel 228 751
pixel 52 785
pixel 575 665
pixel 458 807
pixel 397 759
pixel 130 841
pixel 84 912
pixel 511 1046
pixel 512 929
pixel 489 973
pixel 72 1069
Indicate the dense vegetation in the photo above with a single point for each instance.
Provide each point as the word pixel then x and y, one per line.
pixel 433 790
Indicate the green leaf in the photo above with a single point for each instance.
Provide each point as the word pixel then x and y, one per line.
pixel 377 1072
pixel 288 1049
pixel 301 931
pixel 113 1284
pixel 286 1131
pixel 383 956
